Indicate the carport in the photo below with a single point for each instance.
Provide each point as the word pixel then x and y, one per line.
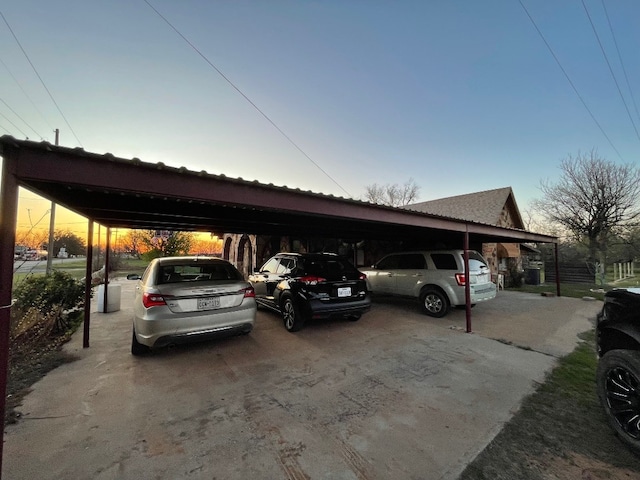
pixel 128 193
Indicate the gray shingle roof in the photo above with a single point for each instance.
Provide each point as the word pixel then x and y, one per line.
pixel 485 207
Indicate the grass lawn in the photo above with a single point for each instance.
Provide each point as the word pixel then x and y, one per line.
pixel 560 431
pixel 132 265
pixel 578 290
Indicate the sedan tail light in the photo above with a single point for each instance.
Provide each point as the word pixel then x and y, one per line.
pixel 249 292
pixel 152 300
pixel 312 280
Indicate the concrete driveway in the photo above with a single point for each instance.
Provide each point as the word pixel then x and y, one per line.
pixel 394 395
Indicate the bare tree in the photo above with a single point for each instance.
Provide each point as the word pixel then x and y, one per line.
pixel 393 194
pixel 592 200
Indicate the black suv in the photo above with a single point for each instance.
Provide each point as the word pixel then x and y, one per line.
pixel 618 375
pixel 302 286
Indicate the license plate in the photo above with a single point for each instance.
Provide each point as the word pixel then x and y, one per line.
pixel 208 303
pixel 344 292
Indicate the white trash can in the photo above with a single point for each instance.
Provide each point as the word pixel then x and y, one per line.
pixel 113 298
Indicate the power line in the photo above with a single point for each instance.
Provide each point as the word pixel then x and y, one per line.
pixel 569 79
pixel 23 120
pixel 606 58
pixel 25 93
pixel 624 70
pixel 40 78
pixel 14 125
pixel 245 97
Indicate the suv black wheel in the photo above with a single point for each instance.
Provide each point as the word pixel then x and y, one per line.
pixel 136 347
pixel 618 384
pixel 291 315
pixel 434 303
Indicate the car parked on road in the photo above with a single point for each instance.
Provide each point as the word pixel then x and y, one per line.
pixel 304 286
pixel 35 254
pixel 436 278
pixel 618 373
pixel 183 299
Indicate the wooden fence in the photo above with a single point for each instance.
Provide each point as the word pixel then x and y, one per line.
pixel 570 273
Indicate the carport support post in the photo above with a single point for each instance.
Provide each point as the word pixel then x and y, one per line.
pixel 87 286
pixel 557 269
pixel 8 218
pixel 467 287
pixel 105 304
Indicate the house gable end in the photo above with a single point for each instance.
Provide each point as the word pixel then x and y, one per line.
pixel 493 207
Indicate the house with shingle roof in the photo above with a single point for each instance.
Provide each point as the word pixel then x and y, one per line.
pixel 493 207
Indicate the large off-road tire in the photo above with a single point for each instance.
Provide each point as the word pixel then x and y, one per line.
pixel 618 385
pixel 137 348
pixel 293 319
pixel 434 302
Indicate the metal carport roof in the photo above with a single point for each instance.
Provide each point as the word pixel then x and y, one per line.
pixel 129 193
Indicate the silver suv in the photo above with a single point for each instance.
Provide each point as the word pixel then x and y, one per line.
pixel 435 277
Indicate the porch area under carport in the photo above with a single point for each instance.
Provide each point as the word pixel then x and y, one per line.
pixel 129 193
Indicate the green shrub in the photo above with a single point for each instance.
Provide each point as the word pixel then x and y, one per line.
pixel 52 296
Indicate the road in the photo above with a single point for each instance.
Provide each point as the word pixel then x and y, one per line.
pixel 37 266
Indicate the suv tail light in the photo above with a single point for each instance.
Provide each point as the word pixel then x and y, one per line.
pixel 249 292
pixel 460 278
pixel 312 280
pixel 363 276
pixel 152 300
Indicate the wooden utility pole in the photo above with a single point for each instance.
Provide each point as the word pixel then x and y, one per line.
pixel 52 224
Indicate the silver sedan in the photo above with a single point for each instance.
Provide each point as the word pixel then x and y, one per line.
pixel 185 299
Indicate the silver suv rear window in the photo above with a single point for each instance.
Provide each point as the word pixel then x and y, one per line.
pixel 447 261
pixel 444 261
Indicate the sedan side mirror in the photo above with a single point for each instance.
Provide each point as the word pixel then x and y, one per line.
pixel 133 276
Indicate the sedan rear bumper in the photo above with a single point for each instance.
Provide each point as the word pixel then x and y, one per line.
pixel 161 328
pixel 203 335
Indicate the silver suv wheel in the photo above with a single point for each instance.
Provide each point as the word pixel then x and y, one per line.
pixel 434 303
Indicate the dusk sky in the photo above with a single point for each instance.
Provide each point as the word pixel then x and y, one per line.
pixel 461 96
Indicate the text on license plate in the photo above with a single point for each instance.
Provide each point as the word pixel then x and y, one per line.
pixel 208 303
pixel 344 292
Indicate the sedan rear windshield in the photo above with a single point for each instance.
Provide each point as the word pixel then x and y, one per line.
pixel 198 272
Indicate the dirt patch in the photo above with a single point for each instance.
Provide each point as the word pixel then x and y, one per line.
pixel 584 468
pixel 29 362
